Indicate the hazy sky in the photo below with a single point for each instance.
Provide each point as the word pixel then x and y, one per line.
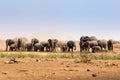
pixel 61 19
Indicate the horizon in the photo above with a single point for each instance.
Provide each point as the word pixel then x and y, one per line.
pixel 63 20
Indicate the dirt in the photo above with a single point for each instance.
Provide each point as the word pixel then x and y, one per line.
pixel 59 69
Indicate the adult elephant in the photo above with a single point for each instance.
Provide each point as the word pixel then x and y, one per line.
pixel 21 44
pixel 83 46
pixel 34 41
pixel 86 42
pixel 42 46
pixel 71 45
pixel 28 46
pixel 91 44
pixel 45 45
pixel 9 42
pixel 62 46
pixel 38 47
pixel 110 45
pixel 52 43
pixel 102 44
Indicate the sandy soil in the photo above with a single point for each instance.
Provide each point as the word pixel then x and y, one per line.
pixel 59 69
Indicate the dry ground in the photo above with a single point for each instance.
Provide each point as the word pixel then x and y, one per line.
pixel 59 69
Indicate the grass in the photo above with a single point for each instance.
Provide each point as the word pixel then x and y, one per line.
pixel 83 56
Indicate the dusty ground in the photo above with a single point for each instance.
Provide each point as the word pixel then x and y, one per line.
pixel 59 69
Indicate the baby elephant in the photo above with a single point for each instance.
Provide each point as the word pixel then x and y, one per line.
pixel 96 49
pixel 13 47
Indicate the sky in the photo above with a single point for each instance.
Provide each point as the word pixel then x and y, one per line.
pixel 61 19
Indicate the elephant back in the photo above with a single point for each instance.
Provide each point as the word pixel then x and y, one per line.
pixel 70 43
pixel 92 43
pixel 92 38
pixel 102 42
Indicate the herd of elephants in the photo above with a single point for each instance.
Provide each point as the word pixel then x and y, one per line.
pixel 86 44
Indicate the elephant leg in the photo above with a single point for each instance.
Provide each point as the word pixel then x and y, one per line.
pixel 6 47
pixel 10 49
pixel 63 49
pixel 68 49
pixel 48 49
pixel 72 49
pixel 105 47
pixel 112 48
pixel 81 49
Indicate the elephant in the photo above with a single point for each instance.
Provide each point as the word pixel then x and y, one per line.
pixel 96 49
pixel 18 42
pixel 85 42
pixel 28 46
pixel 110 45
pixel 37 47
pixel 82 43
pixel 46 46
pixel 52 43
pixel 83 46
pixel 90 44
pixel 13 47
pixel 9 42
pixel 42 46
pixel 102 44
pixel 33 42
pixel 62 46
pixel 71 45
pixel 21 44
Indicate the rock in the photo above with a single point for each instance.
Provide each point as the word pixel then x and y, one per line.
pixel 62 63
pixel 9 62
pixel 67 66
pixel 5 73
pixel 94 75
pixel 53 73
pixel 37 60
pixel 88 70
